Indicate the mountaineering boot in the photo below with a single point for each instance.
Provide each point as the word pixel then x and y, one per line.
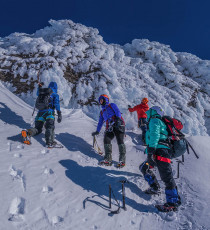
pixel 122 152
pixel 51 144
pixel 167 207
pixel 120 164
pixel 108 155
pixel 26 137
pixel 106 163
pixel 153 190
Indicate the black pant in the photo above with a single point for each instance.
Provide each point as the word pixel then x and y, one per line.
pixel 164 168
pixel 47 119
pixel 108 136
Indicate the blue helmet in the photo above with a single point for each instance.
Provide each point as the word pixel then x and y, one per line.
pixel 53 86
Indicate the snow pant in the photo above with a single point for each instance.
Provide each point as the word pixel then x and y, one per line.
pixel 108 137
pixel 48 119
pixel 142 123
pixel 166 175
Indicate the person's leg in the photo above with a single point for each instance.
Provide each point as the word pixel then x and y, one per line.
pixel 149 176
pixel 108 136
pixel 39 122
pixel 143 126
pixel 49 133
pixel 166 175
pixel 122 148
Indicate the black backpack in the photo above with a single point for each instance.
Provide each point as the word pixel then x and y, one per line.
pixel 43 99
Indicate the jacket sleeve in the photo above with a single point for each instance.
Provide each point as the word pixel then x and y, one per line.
pixel 116 110
pixel 154 133
pixel 37 92
pixel 100 123
pixel 57 102
pixel 135 108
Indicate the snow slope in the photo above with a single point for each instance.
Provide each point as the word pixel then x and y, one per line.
pixel 84 66
pixel 66 189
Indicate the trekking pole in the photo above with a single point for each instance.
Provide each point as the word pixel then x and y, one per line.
pixel 110 196
pixel 118 204
pixel 38 84
pixel 192 149
pixel 94 140
pixel 123 192
pixel 33 111
pixel 178 167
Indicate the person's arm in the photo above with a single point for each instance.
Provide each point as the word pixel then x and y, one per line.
pixel 135 108
pixel 57 103
pixel 116 110
pixel 100 123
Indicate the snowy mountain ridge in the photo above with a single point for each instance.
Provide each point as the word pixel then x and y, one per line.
pixel 66 189
pixel 84 66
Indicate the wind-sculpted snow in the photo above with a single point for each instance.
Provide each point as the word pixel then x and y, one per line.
pixel 84 66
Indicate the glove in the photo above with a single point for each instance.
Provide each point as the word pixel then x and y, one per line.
pixel 95 133
pixel 59 117
pixel 150 158
pixel 129 106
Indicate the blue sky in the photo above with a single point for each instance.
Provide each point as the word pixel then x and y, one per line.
pixel 182 24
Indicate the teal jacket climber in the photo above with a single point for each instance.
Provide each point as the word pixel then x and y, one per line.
pixel 157 131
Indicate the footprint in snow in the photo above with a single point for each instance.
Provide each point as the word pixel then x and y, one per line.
pixel 17 155
pixel 17 174
pixel 16 210
pixel 56 219
pixel 48 171
pixel 47 189
pixel 20 146
pixel 45 151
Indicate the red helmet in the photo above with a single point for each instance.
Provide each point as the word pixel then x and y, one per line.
pixel 145 100
pixel 104 95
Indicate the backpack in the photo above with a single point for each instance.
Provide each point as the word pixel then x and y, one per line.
pixel 43 99
pixel 176 139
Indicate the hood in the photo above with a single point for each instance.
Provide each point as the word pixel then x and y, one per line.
pixel 152 113
pixel 105 98
pixel 53 86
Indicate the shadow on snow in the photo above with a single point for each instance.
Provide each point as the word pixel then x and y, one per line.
pixel 74 143
pixel 97 179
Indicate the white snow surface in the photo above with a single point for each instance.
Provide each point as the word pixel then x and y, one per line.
pixel 67 189
pixel 84 66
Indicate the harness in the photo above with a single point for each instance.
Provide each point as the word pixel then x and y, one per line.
pixel 110 129
pixel 164 159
